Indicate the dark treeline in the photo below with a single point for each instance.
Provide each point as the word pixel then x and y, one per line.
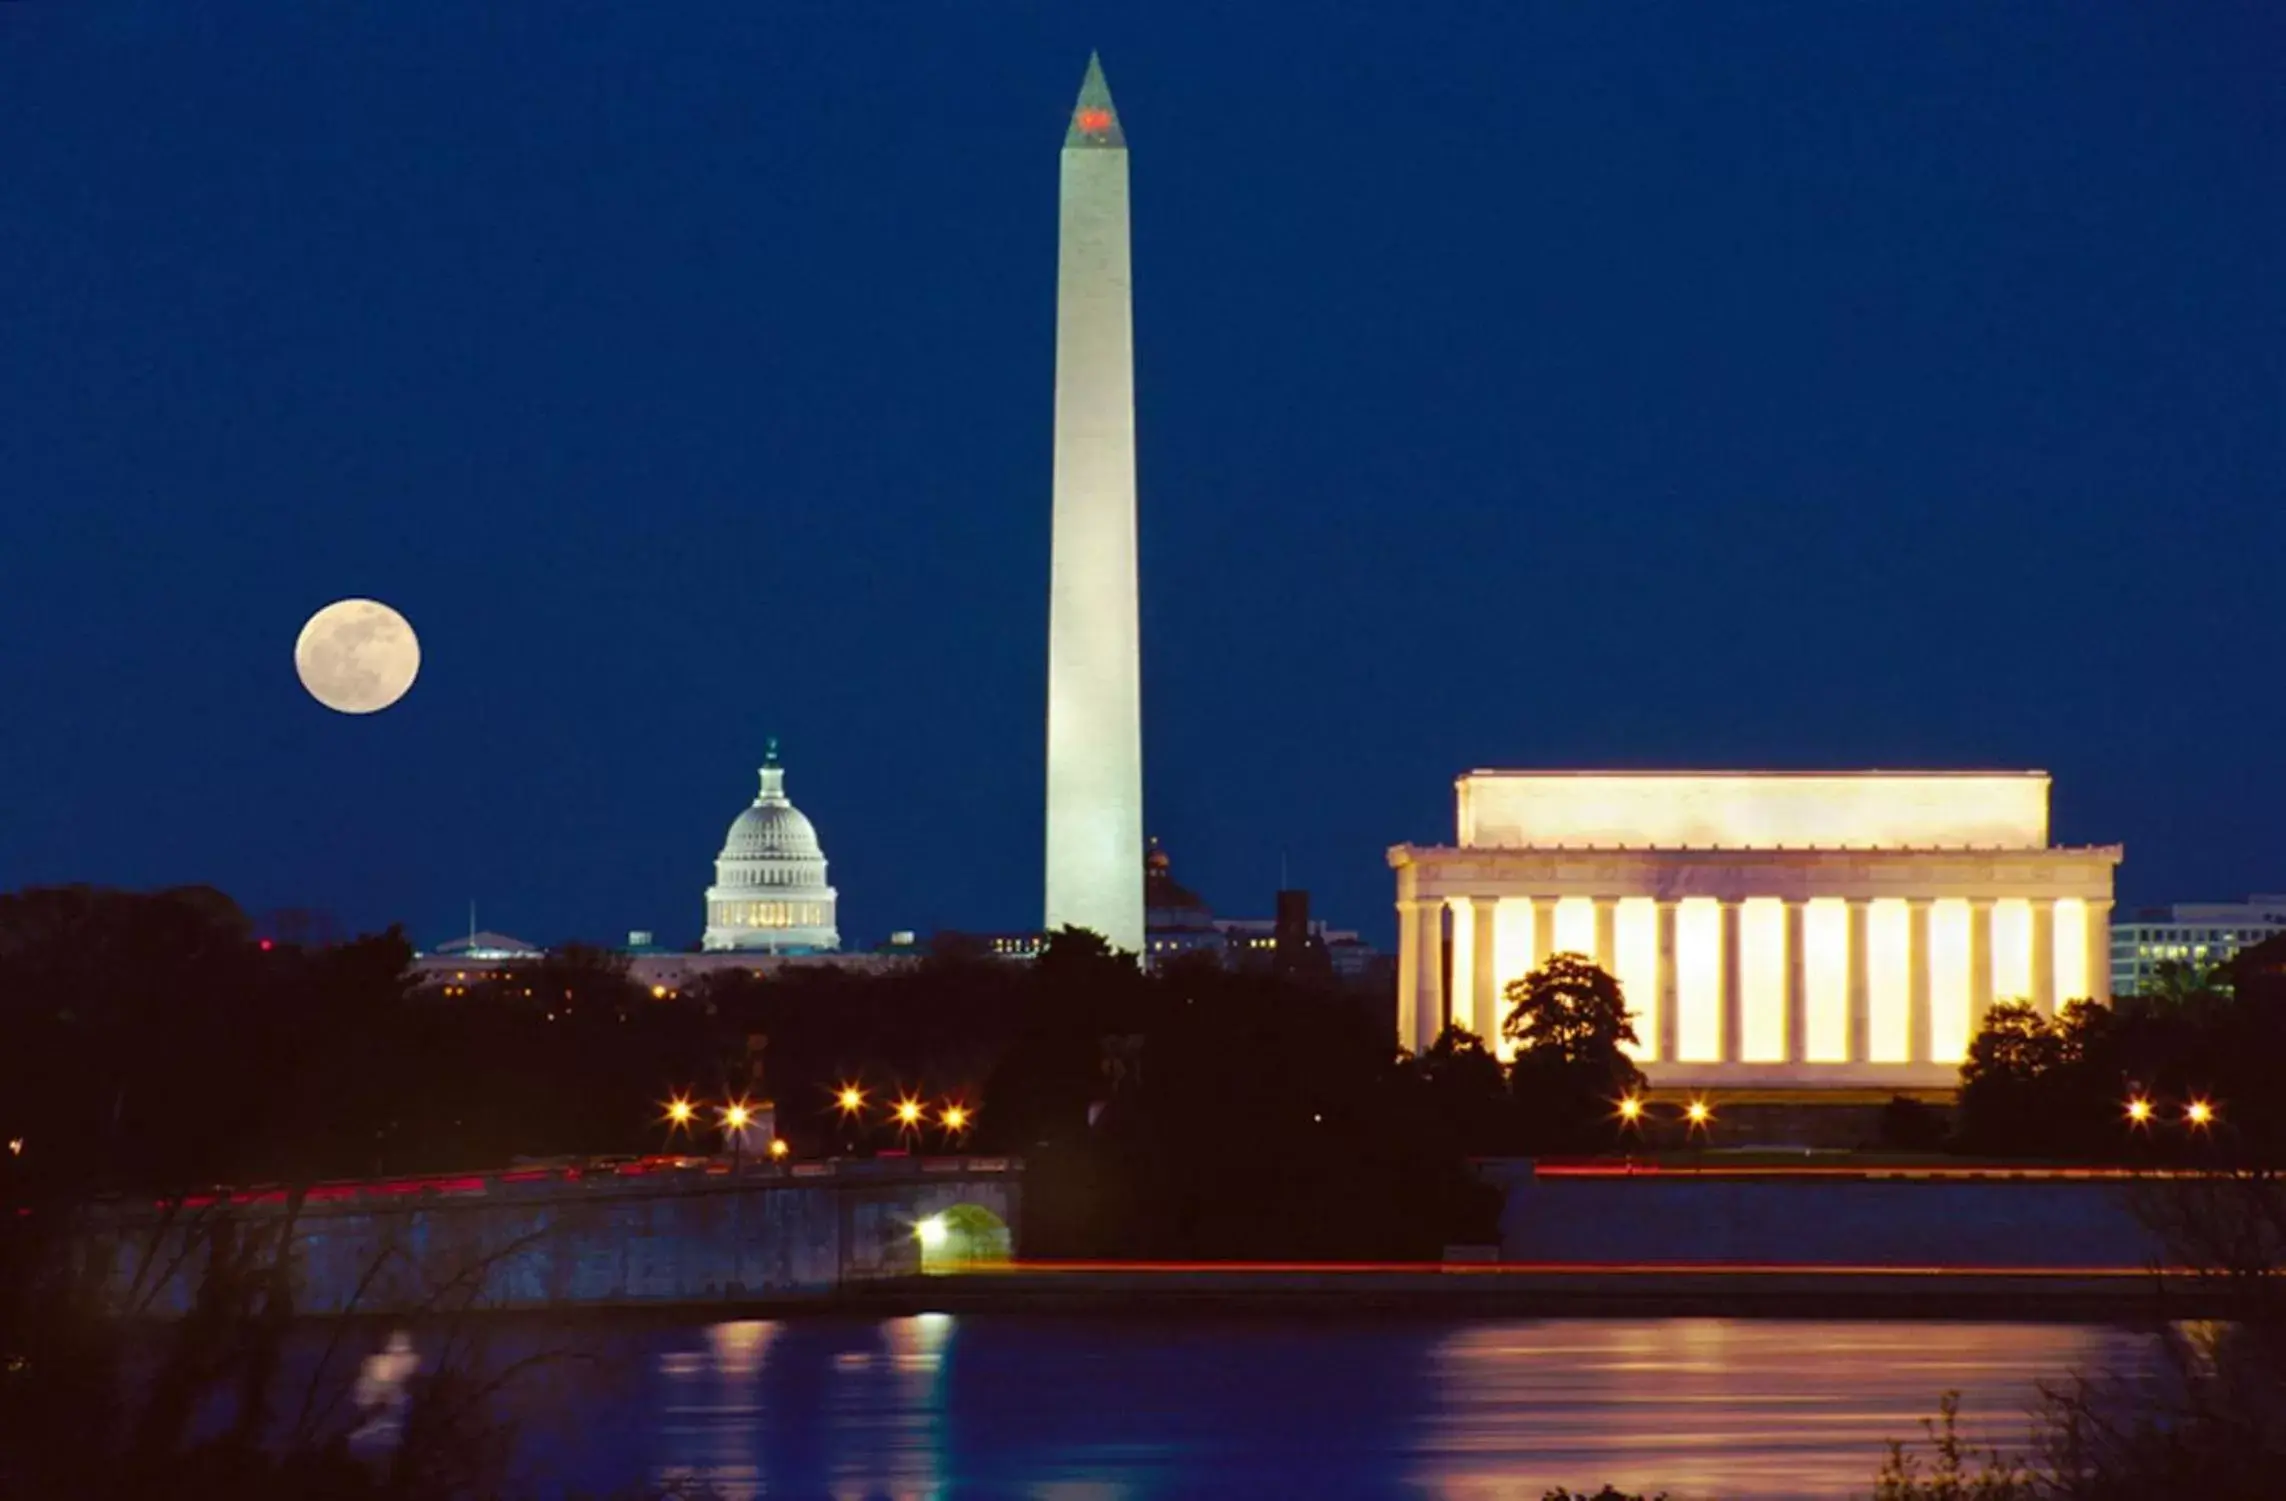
pixel 151 1044
pixel 2186 1073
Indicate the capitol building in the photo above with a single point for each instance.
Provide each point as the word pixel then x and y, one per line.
pixel 770 894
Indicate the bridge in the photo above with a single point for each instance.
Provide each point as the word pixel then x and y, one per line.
pixel 643 1232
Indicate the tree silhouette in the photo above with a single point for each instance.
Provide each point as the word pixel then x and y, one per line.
pixel 1569 1021
pixel 1572 1010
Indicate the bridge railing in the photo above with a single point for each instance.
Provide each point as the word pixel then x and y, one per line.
pixel 555 1175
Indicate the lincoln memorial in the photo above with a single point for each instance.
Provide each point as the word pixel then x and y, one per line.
pixel 1768 928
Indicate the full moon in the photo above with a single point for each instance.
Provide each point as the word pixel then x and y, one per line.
pixel 357 656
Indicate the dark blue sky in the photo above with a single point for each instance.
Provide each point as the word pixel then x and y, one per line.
pixel 1604 385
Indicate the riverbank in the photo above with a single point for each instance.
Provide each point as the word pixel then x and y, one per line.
pixel 2079 1295
pixel 2124 1295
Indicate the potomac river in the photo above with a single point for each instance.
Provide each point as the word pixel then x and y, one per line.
pixel 1072 1407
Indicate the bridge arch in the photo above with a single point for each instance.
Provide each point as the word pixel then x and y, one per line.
pixel 961 1236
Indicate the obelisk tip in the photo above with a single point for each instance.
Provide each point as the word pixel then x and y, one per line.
pixel 1095 121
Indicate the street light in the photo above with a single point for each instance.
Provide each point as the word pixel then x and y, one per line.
pixel 956 1118
pixel 2139 1111
pixel 778 1148
pixel 1630 1110
pixel 735 1118
pixel 678 1114
pixel 1698 1114
pixel 2200 1114
pixel 908 1113
pixel 850 1098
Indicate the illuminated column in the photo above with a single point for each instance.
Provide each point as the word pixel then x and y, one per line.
pixel 1860 984
pixel 1543 929
pixel 1486 1001
pixel 1797 992
pixel 2099 951
pixel 1980 962
pixel 1428 974
pixel 1667 980
pixel 2044 956
pixel 1466 960
pixel 1408 970
pixel 1607 934
pixel 1511 954
pixel 1733 995
pixel 1917 975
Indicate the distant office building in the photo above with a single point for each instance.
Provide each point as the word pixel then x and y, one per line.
pixel 486 947
pixel 1025 945
pixel 1176 920
pixel 1295 947
pixel 464 965
pixel 1178 924
pixel 2198 933
pixel 458 964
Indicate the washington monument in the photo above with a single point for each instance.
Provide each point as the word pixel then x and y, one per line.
pixel 1095 728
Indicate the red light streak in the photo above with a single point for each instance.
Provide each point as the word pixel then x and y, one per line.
pixel 1561 1269
pixel 1997 1173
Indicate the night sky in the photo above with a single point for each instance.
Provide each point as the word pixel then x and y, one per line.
pixel 1691 385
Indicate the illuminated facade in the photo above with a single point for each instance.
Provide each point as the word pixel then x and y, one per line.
pixel 1095 716
pixel 770 893
pixel 1775 929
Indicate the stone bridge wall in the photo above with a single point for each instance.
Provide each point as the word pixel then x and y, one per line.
pixel 566 1241
pixel 2044 1223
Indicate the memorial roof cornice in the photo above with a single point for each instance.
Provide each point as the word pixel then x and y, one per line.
pixel 1677 773
pixel 1739 851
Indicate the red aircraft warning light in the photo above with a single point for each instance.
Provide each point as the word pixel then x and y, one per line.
pixel 1094 120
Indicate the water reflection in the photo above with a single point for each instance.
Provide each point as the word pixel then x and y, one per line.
pixel 1071 1409
pixel 1719 1407
pixel 817 1407
pixel 710 1415
pixel 380 1392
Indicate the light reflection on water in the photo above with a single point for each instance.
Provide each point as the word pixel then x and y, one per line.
pixel 1723 1407
pixel 1075 1409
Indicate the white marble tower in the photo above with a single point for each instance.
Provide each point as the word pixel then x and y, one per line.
pixel 1095 730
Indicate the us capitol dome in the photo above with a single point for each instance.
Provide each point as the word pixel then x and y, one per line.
pixel 770 894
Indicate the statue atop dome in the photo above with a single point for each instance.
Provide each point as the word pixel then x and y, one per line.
pixel 770 894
